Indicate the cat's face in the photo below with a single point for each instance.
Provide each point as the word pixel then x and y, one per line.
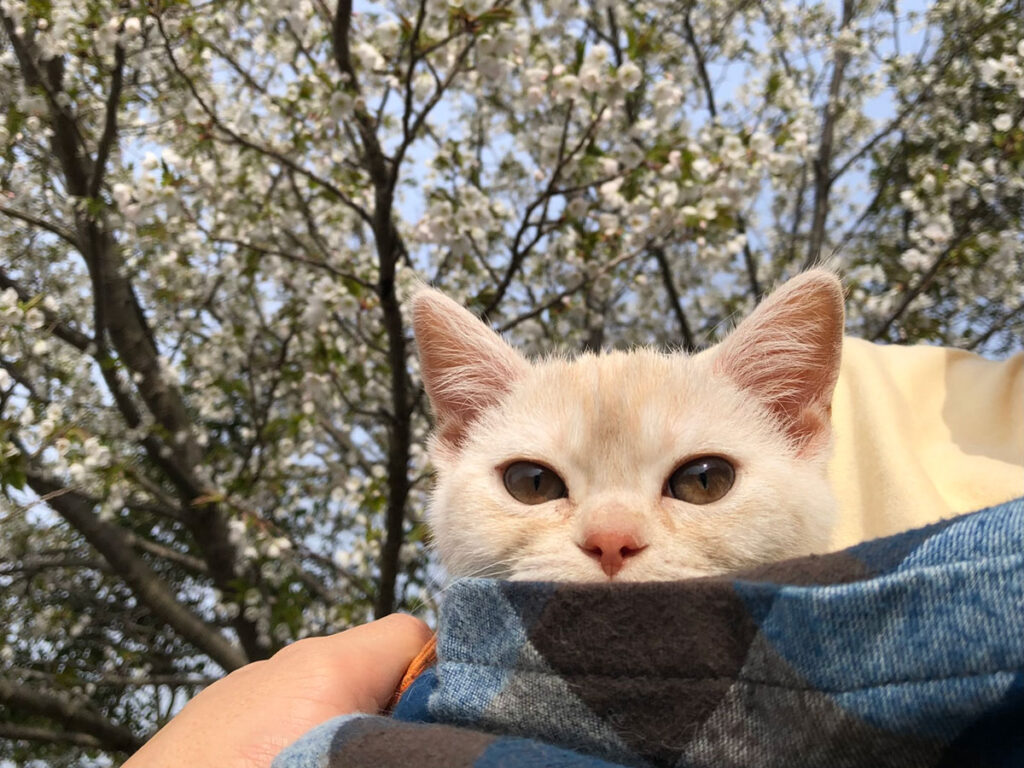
pixel 638 465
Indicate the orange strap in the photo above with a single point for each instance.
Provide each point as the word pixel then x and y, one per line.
pixel 425 658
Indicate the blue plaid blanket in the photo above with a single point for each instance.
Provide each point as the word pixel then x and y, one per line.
pixel 904 651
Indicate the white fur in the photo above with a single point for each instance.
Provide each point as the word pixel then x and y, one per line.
pixel 614 427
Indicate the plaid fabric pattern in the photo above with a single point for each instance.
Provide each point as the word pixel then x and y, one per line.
pixel 904 651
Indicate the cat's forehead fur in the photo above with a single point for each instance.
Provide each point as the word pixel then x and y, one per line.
pixel 614 414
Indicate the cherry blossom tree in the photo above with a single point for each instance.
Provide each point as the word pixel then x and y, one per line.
pixel 211 423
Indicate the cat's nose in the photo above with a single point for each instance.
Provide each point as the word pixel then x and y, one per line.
pixel 611 548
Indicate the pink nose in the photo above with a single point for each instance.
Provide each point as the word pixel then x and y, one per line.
pixel 611 548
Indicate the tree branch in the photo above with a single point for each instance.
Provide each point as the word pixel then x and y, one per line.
pixel 996 327
pixel 15 732
pixel 31 563
pixel 54 229
pixel 114 545
pixel 926 280
pixel 236 137
pixel 110 122
pixel 130 681
pixel 673 296
pixel 559 297
pixel 823 162
pixel 520 251
pixel 75 338
pixel 186 561
pixel 77 715
pixel 390 247
pixel 118 313
pixel 66 141
pixel 709 94
pixel 702 69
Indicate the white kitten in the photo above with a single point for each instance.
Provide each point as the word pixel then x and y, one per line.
pixel 633 465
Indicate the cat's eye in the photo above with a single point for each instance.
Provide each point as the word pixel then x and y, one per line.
pixel 701 481
pixel 533 483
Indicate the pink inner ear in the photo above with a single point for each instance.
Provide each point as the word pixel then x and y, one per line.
pixel 466 367
pixel 810 429
pixel 787 354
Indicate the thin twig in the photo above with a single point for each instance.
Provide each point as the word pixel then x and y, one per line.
pixel 673 297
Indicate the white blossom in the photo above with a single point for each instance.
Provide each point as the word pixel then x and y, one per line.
pixel 629 75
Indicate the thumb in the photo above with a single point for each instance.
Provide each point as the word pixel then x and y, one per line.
pixel 368 662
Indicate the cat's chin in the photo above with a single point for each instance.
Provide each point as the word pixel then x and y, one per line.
pixel 593 575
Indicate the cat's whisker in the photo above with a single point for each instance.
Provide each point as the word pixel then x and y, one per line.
pixel 492 570
pixel 427 600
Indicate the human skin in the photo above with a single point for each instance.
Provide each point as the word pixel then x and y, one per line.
pixel 246 718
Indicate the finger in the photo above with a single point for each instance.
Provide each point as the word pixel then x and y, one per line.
pixel 392 643
pixel 366 663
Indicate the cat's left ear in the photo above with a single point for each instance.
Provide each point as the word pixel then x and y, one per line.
pixel 787 355
pixel 466 367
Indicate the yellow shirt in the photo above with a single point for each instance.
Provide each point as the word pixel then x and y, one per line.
pixel 923 433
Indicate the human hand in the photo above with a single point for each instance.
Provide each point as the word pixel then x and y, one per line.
pixel 245 719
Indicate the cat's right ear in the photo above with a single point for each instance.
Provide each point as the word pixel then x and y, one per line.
pixel 787 355
pixel 466 367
